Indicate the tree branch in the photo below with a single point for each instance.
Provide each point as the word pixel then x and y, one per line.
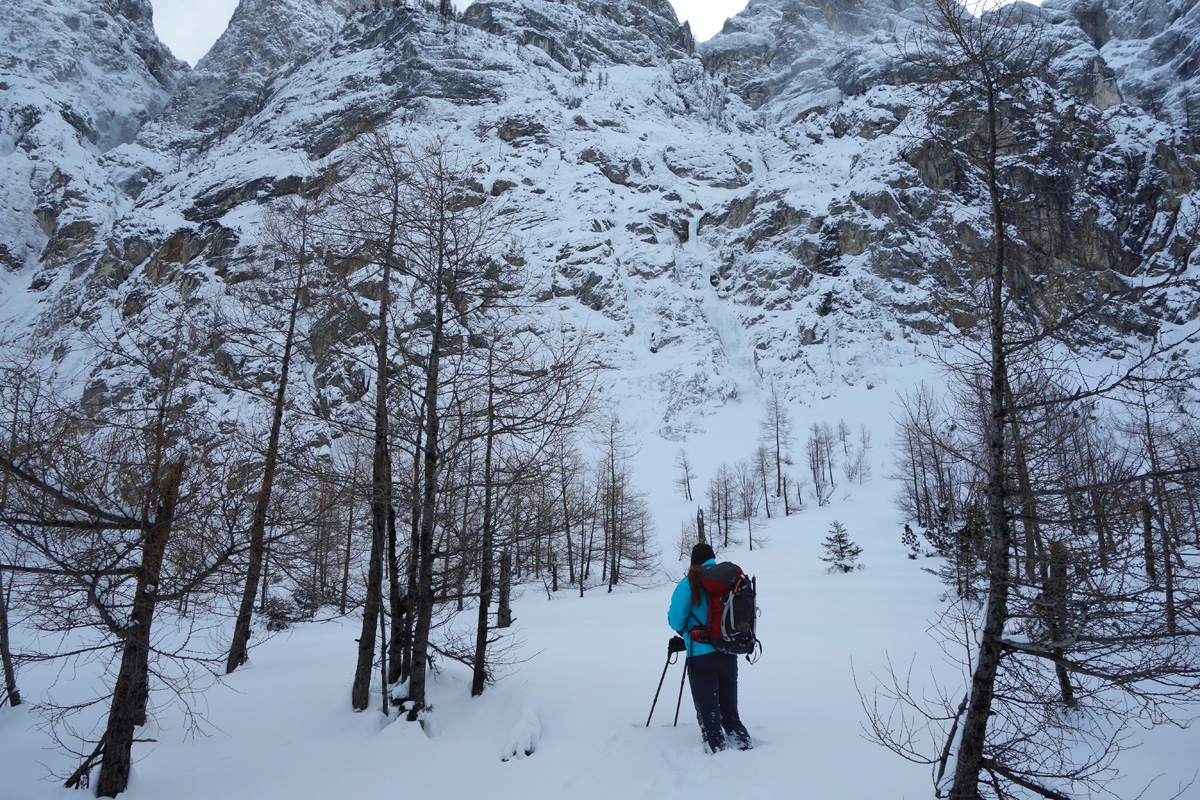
pixel 114 521
pixel 1008 774
pixel 68 572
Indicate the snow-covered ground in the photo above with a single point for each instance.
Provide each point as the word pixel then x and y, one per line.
pixel 612 163
pixel 282 726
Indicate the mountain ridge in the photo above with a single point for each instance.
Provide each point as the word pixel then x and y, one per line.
pixel 761 188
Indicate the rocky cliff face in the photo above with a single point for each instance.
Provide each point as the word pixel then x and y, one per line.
pixel 855 192
pixel 756 208
pixel 1154 51
pixel 264 41
pixel 800 55
pixel 77 80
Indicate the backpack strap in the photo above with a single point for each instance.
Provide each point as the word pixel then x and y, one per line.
pixel 699 624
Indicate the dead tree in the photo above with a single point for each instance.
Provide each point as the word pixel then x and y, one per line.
pixel 10 674
pixel 775 433
pixel 624 514
pixel 290 233
pixel 450 241
pixel 537 393
pixel 986 80
pixel 365 223
pixel 721 498
pixel 97 504
pixel 684 481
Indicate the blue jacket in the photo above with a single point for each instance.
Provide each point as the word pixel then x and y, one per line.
pixel 683 616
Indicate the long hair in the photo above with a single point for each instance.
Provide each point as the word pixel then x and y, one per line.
pixel 693 575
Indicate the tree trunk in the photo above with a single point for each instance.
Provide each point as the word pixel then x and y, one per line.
pixel 567 524
pixel 766 498
pixel 479 673
pixel 727 517
pixel 1099 513
pixel 1148 540
pixel 397 602
pixel 615 536
pixel 346 562
pixel 130 691
pixel 1033 543
pixel 604 556
pixel 383 664
pixel 414 548
pixel 1056 601
pixel 979 707
pixel 1169 579
pixel 423 601
pixel 381 501
pixel 258 522
pixel 266 578
pixel 504 607
pixel 10 673
pixel 974 734
pixel 780 486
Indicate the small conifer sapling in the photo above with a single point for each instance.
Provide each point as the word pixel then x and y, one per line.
pixel 840 553
pixel 910 540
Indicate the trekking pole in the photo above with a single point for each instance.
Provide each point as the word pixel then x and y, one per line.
pixel 672 649
pixel 679 702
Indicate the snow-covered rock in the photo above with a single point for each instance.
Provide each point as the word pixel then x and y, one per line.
pixel 759 208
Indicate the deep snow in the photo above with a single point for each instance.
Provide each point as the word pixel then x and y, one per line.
pixel 282 726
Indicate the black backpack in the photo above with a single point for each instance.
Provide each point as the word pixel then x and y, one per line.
pixel 732 611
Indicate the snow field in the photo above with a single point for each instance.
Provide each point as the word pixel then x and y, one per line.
pixel 282 727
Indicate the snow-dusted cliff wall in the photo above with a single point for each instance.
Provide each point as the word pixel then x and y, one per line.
pixel 754 209
pixel 77 79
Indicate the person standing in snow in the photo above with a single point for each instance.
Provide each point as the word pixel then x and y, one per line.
pixel 712 675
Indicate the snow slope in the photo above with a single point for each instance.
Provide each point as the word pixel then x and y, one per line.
pixel 282 727
pixel 659 212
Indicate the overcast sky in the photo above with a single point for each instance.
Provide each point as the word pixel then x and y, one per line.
pixel 189 27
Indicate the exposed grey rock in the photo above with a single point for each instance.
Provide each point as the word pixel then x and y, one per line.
pixel 779 185
pixel 78 79
pixel 213 204
pixel 1153 50
pixel 264 37
pixel 797 52
pixel 619 32
pixel 95 64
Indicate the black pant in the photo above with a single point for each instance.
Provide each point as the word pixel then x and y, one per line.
pixel 713 677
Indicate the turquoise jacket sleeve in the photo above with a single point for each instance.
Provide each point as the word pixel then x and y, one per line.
pixel 682 615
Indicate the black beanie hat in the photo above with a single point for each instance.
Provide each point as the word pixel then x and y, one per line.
pixel 701 553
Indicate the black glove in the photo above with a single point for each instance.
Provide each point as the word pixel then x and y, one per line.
pixel 676 645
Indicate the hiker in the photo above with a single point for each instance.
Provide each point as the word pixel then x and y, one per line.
pixel 712 675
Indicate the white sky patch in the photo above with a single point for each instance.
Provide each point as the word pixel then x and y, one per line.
pixel 706 16
pixel 189 27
